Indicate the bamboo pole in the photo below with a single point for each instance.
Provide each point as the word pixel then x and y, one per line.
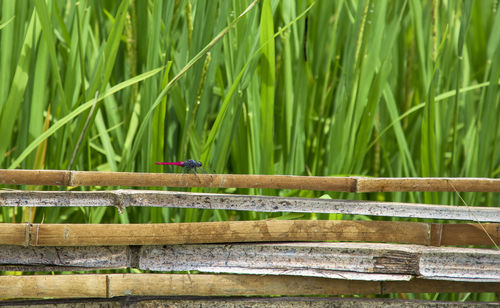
pixel 125 198
pixel 238 301
pixel 95 178
pixel 114 285
pixel 427 184
pixel 214 232
pixel 434 234
pixel 14 234
pixel 465 234
pixel 351 261
pixel 321 183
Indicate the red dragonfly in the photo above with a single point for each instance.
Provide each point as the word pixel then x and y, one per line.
pixel 189 164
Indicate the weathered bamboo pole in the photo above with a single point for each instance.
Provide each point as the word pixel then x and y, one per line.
pixel 322 183
pixel 214 232
pixel 351 261
pixel 114 285
pixel 125 198
pixel 427 184
pixel 95 178
pixel 433 234
pixel 236 301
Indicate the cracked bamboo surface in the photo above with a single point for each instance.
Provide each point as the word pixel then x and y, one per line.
pixel 125 198
pixel 350 261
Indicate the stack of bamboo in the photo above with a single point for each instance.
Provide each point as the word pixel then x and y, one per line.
pixel 271 257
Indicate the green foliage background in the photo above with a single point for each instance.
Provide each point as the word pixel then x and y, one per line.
pixel 372 88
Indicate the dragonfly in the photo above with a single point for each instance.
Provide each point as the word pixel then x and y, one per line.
pixel 189 164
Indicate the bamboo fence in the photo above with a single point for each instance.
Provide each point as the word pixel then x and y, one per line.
pixel 299 257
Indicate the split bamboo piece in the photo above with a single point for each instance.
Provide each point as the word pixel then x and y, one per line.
pixel 340 260
pixel 125 198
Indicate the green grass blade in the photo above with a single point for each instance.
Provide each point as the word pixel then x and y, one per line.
pixel 199 55
pixel 11 108
pixel 267 73
pixel 106 141
pixel 63 121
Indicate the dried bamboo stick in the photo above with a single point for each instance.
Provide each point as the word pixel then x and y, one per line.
pixel 126 198
pixel 14 234
pixel 59 286
pixel 114 285
pixel 214 232
pixel 79 258
pixel 434 234
pixel 345 184
pixel 240 301
pixel 465 234
pixel 351 261
pixel 427 184
pixel 95 178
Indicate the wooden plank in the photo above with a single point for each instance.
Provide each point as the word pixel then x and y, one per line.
pixel 125 198
pixel 130 285
pixel 61 286
pixel 228 231
pixel 322 183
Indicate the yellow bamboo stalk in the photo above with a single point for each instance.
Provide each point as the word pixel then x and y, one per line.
pixel 321 183
pixel 434 234
pixel 113 285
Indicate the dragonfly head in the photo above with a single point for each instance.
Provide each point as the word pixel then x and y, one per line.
pixel 191 163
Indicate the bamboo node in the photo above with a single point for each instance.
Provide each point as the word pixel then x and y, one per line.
pixel 119 204
pixel 27 234
pixel 69 180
